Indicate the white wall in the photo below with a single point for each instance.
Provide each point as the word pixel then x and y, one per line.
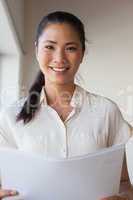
pixel 0 72
pixel 16 12
pixel 108 64
pixel 11 49
pixel 9 79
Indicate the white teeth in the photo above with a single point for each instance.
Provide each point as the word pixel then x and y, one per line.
pixel 59 69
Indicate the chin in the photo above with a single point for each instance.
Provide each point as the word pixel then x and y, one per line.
pixel 62 82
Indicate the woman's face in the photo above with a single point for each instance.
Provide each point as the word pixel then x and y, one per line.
pixel 59 53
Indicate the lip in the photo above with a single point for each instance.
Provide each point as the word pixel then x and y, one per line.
pixel 59 69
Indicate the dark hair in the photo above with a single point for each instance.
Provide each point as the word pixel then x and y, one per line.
pixel 62 17
pixel 31 104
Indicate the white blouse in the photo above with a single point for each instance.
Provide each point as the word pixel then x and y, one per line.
pixel 94 123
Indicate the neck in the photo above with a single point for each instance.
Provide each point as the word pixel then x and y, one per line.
pixel 59 94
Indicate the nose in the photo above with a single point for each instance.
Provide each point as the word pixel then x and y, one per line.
pixel 60 57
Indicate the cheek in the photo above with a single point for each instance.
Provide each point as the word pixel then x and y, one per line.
pixel 44 59
pixel 77 58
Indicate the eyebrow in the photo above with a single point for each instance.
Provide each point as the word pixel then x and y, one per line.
pixel 54 42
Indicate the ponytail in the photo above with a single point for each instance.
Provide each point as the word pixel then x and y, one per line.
pixel 31 104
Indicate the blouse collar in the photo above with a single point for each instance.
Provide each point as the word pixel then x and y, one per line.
pixel 76 100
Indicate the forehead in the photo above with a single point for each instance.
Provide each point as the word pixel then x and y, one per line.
pixel 59 31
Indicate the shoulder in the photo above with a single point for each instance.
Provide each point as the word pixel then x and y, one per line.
pixel 10 112
pixel 99 103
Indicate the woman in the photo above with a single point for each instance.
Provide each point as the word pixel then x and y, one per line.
pixel 59 118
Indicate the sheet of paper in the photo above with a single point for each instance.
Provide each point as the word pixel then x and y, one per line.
pixel 129 157
pixel 18 197
pixel 88 177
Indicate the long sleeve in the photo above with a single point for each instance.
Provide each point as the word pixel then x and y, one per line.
pixel 6 136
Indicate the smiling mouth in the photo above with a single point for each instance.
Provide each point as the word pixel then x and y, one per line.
pixel 57 69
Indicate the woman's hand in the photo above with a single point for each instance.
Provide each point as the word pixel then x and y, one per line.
pixel 7 193
pixel 115 198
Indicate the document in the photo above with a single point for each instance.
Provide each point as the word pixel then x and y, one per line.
pixel 91 176
pixel 129 157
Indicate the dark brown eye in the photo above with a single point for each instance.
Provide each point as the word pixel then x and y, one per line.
pixel 71 49
pixel 49 47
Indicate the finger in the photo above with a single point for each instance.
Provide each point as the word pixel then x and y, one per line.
pixel 7 193
pixel 114 198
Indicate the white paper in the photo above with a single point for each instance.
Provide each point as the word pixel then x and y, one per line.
pixel 129 157
pixel 92 176
pixel 18 197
